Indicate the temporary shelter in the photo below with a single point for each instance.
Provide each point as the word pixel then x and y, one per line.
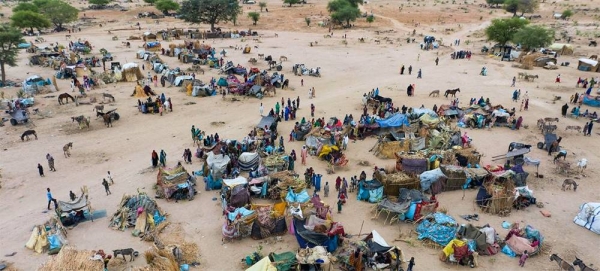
pixel 589 65
pixel 437 227
pixel 235 191
pixel 587 216
pixel 80 206
pixel 394 121
pixel 175 183
pixel 276 262
pixel 371 191
pixel 393 182
pixel 139 211
pixel 591 100
pixel 130 72
pixel 50 236
pixel 497 194
pixel 314 232
pixel 33 83
pixel 248 161
pixel 270 221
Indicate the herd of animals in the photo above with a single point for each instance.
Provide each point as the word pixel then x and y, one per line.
pixel 563 265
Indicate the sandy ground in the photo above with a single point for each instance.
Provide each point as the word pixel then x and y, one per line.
pixel 348 72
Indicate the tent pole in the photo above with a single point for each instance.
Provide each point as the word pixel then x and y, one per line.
pixel 361 227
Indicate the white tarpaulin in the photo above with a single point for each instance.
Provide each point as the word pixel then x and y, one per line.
pixel 234 182
pixel 589 216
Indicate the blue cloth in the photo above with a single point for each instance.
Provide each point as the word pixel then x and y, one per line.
pixel 301 197
pixel 506 250
pixel 158 218
pixel 49 196
pixel 243 211
pixel 54 241
pixel 441 230
pixel 395 120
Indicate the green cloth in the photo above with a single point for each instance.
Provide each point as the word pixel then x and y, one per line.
pixel 163 158
pixel 277 108
pixel 284 261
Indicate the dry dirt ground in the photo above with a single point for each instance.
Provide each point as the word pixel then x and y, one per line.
pixel 348 70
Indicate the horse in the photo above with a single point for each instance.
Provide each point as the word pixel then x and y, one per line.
pixel 451 92
pixel 66 149
pixel 567 183
pixel 65 96
pixel 582 266
pixel 285 84
pixel 109 96
pixel 561 263
pixel 27 133
pixel 82 121
pixel 574 127
pixel 435 93
pixel 107 118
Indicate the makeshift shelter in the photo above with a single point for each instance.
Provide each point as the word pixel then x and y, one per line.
pixel 323 233
pixel 588 213
pixel 176 183
pixel 216 165
pixel 269 122
pixel 70 258
pixel 497 194
pixel 381 255
pixel 371 191
pixel 428 178
pixel 413 164
pixel 70 212
pixel 393 182
pixel 411 206
pixel 139 211
pixel 130 72
pixel 235 191
pixel 248 161
pixel 563 49
pixel 276 262
pixel 270 220
pixel 148 36
pixel 521 240
pixel 48 237
pixel 591 100
pixel 33 83
pixel 152 46
pixel 437 227
pixel 238 223
pixel 461 178
pixel 394 121
pixel 588 65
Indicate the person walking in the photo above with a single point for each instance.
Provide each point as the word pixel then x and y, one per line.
pixel 298 102
pixel 557 79
pixel 410 70
pixel 51 199
pixel 526 104
pixel 326 189
pixel 50 162
pixel 339 206
pixel 419 74
pixel 163 158
pixel 301 82
pixel 154 158
pixel 72 196
pixel 411 264
pixel 106 188
pixel 514 81
pixel 437 60
pixel 402 70
pixel 41 170
pixel 312 110
pixel 261 109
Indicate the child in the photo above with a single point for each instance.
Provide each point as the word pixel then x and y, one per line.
pixel 523 259
pixel 411 263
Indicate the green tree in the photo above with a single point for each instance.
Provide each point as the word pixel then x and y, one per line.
pixel 166 5
pixel 209 11
pixel 307 21
pixel 503 30
pixel 523 6
pixel 58 12
pixel 494 2
pixel 29 19
pixel 291 2
pixel 10 37
pixel 151 2
pixel 99 2
pixel 262 5
pixel 566 14
pixel 254 16
pixel 531 37
pixel 40 3
pixel 343 11
pixel 26 6
pixel 370 19
pixel 511 6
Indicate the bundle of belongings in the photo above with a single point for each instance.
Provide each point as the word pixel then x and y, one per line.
pixel 238 223
pixel 519 240
pixel 372 251
pixel 313 231
pixel 50 237
pixel 371 191
pixel 175 184
pixel 270 221
pixel 275 262
pixel 139 211
pixel 411 205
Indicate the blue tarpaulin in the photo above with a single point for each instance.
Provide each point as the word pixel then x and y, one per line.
pixel 395 120
pixel 301 197
pixel 371 191
pixel 242 211
pixel 437 227
pixel 591 100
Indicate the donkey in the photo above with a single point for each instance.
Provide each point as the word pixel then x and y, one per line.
pixel 125 251
pixel 451 92
pixel 435 93
pixel 27 133
pixel 82 121
pixel 561 263
pixel 567 183
pixel 582 266
pixel 66 97
pixel 66 149
pixel 107 118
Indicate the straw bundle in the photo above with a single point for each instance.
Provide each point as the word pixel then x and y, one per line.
pixel 158 260
pixel 473 156
pixel 274 161
pixel 393 182
pixel 284 176
pixel 502 197
pixel 387 150
pixel 70 258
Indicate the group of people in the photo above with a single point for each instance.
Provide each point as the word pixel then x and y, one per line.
pixel 288 112
pixel 156 158
pixel 161 104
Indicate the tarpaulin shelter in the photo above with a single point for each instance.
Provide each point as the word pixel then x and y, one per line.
pixel 276 262
pixel 437 227
pixel 139 211
pixel 248 161
pixel 81 204
pixel 268 121
pixel 270 220
pixel 461 178
pixel 236 191
pixel 311 238
pixel 130 72
pixel 395 120
pixel 175 183
pixel 589 216
pixel 497 194
pixel 371 191
pixel 412 163
pixel 591 100
pixel 222 82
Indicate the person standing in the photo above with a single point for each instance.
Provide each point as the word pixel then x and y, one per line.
pixel 303 154
pixel 50 162
pixel 261 109
pixel 402 70
pixel 523 258
pixel 72 196
pixel 589 130
pixel 51 199
pixel 419 74
pixel 557 79
pixel 110 178
pixel 298 102
pixel 73 85
pixel 154 158
pixel 312 110
pixel 41 170
pixel 326 189
pixel 163 158
pixel 310 93
pixel 514 81
pixel 301 82
pixel 345 142
pixel 410 70
pixel 339 206
pixel 106 188
pixel 526 104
